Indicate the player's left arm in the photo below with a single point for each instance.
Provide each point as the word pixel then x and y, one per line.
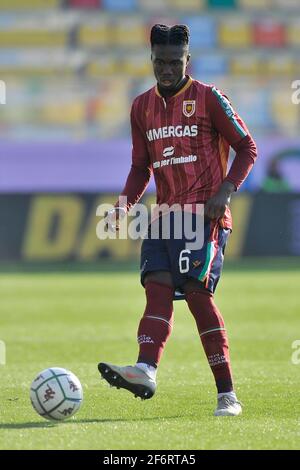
pixel 229 124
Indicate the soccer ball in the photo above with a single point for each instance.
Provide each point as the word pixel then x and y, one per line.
pixel 56 394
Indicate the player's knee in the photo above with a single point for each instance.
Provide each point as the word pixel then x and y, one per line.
pixel 161 277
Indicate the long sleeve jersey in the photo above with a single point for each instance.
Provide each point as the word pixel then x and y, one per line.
pixel 184 141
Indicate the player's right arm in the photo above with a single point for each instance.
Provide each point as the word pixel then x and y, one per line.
pixel 140 172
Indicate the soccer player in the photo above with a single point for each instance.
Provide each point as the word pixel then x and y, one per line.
pixel 181 132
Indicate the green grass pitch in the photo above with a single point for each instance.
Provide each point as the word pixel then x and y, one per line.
pixel 74 320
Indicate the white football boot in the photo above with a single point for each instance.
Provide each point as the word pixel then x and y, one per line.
pixel 131 378
pixel 228 406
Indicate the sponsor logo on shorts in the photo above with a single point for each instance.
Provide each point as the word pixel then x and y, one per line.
pixel 196 264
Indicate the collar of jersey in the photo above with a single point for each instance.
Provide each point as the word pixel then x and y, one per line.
pixel 182 90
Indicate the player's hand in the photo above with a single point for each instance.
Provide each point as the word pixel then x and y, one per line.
pixel 113 218
pixel 215 207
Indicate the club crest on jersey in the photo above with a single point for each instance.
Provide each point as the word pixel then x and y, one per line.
pixel 188 107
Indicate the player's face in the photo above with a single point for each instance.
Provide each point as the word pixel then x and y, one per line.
pixel 169 65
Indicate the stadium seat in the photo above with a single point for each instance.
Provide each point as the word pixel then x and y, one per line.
pixel 115 106
pixel 137 65
pixel 29 4
pixel 119 5
pixel 84 3
pixel 269 33
pixel 31 38
pixel 70 113
pixel 153 5
pixel 95 33
pixel 221 3
pixel 203 31
pixel 279 65
pixel 252 105
pixel 293 33
pixel 284 112
pixel 209 64
pixel 287 4
pixel 235 32
pixel 297 66
pixel 255 4
pixel 187 5
pixel 104 65
pixel 129 31
pixel 27 62
pixel 37 73
pixel 245 64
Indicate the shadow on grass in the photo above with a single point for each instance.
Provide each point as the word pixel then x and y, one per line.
pixel 49 424
pixel 124 420
pixel 26 425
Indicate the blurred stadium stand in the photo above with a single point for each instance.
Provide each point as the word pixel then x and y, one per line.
pixel 72 67
pixel 71 70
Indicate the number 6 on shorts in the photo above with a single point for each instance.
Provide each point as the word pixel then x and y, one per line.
pixel 184 261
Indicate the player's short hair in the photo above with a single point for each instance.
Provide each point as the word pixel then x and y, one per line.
pixel 178 34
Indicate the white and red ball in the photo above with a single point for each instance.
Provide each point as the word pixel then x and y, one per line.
pixel 56 394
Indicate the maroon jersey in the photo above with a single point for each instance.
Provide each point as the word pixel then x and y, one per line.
pixel 184 140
